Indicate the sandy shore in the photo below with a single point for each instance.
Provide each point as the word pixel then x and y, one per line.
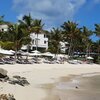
pixel 39 74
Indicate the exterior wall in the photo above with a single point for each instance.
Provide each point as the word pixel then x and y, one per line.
pixel 42 40
pixel 3 28
pixel 64 46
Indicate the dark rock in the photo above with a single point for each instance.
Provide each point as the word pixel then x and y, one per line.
pixel 24 82
pixel 12 81
pixel 23 78
pixel 20 83
pixel 76 87
pixel 19 80
pixel 6 79
pixel 17 77
pixel 3 73
pixel 7 97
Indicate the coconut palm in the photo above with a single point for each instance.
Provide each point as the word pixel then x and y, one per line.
pixel 71 33
pixel 26 22
pixel 19 37
pixel 1 19
pixel 86 33
pixel 97 29
pixel 54 40
pixel 37 28
pixel 26 25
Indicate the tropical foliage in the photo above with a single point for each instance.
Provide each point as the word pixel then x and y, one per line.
pixel 54 40
pixel 78 38
pixel 71 33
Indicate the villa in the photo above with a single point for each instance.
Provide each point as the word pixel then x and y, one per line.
pixel 3 27
pixel 64 46
pixel 40 41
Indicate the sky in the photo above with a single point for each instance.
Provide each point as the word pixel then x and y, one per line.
pixel 54 12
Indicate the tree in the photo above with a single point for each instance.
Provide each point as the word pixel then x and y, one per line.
pixel 54 40
pixel 1 19
pixel 31 25
pixel 71 33
pixel 26 25
pixel 20 36
pixel 97 30
pixel 37 28
pixel 86 33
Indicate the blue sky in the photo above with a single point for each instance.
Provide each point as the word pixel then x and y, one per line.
pixel 54 12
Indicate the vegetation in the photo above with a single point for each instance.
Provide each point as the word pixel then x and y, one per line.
pixel 77 37
pixel 54 40
pixel 71 33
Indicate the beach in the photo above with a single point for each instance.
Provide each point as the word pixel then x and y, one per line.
pixel 42 78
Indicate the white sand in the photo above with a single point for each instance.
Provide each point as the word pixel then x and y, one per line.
pixel 38 74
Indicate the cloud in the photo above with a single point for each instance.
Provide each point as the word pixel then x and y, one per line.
pixel 96 1
pixel 52 12
pixel 19 17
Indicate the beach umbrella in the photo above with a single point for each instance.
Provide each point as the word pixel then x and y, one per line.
pixel 48 54
pixel 35 51
pixel 91 58
pixel 30 54
pixel 61 55
pixel 35 54
pixel 12 51
pixel 6 52
pixel 24 53
pixel 24 47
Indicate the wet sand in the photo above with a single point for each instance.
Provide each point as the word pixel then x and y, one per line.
pixel 80 87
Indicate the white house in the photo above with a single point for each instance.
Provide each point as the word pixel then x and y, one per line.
pixel 63 46
pixel 3 27
pixel 39 40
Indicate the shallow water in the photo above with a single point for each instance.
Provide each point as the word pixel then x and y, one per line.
pixel 84 87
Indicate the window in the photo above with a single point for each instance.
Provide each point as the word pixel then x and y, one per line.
pixel 44 36
pixel 2 30
pixel 32 41
pixel 45 42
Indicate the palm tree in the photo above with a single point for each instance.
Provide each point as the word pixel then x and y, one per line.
pixel 71 33
pixel 54 40
pixel 37 28
pixel 19 37
pixel 97 29
pixel 1 19
pixel 96 50
pixel 86 33
pixel 27 25
pixel 30 25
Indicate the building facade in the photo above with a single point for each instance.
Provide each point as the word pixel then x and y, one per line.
pixel 64 46
pixel 3 27
pixel 39 41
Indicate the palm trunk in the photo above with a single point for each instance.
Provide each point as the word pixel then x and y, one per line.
pixel 69 51
pixel 58 49
pixel 27 52
pixel 87 51
pixel 72 52
pixel 15 56
pixel 37 46
pixel 37 42
pixel 16 53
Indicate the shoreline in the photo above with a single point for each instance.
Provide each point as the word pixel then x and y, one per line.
pixel 38 74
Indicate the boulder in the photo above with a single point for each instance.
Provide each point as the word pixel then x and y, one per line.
pixel 7 97
pixel 3 73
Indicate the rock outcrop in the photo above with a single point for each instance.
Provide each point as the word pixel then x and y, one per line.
pixel 3 73
pixel 7 97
